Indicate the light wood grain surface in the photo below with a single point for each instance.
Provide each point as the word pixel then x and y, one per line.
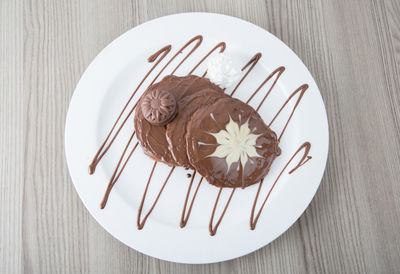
pixel 352 48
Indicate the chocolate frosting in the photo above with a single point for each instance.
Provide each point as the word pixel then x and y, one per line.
pixel 176 130
pixel 222 138
pixel 246 144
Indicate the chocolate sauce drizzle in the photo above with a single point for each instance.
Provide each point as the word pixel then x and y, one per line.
pixel 197 38
pixel 302 89
pixel 152 58
pixel 304 159
pixel 213 230
pixel 114 178
pixel 105 147
pixel 102 151
pixel 252 63
pixel 185 215
pixel 279 71
pixel 140 224
pixel 163 52
pixel 220 45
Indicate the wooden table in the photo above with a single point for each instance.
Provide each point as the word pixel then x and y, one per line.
pixel 352 48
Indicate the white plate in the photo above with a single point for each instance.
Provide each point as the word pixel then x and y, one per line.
pixel 107 84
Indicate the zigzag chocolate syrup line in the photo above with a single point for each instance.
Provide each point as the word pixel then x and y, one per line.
pixel 185 215
pixel 114 178
pixel 220 45
pixel 213 230
pixel 302 88
pixel 152 58
pixel 163 52
pixel 250 65
pixel 253 62
pixel 304 159
pixel 140 224
pixel 278 72
pixel 184 218
pixel 103 148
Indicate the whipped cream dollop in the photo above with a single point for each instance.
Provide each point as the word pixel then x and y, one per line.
pixel 222 70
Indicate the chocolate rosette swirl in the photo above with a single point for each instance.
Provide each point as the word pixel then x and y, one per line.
pixel 159 107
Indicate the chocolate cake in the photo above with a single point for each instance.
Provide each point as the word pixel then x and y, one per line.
pixel 190 122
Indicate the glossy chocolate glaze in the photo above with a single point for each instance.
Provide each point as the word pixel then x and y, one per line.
pixel 177 129
pixel 201 144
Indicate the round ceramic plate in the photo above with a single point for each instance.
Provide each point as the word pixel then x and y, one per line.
pixel 107 84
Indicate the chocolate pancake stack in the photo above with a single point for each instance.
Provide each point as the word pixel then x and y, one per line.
pixel 190 122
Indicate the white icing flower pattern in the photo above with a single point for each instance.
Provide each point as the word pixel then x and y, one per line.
pixel 235 143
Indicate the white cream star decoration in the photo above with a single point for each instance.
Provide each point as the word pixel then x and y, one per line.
pixel 235 143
